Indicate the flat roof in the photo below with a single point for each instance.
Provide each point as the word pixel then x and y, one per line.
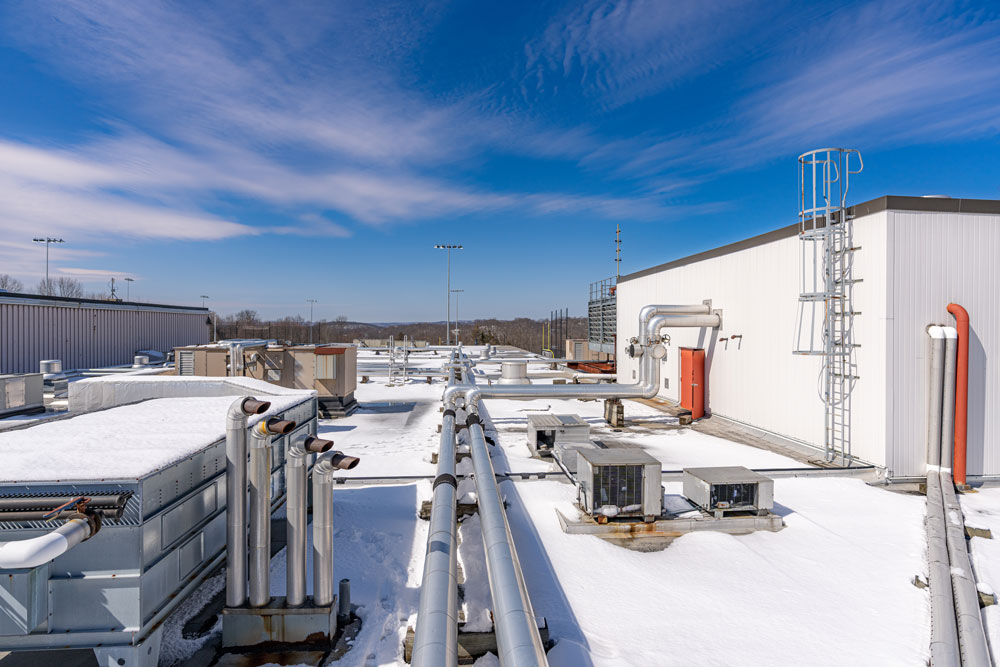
pixel 126 442
pixel 42 299
pixel 886 203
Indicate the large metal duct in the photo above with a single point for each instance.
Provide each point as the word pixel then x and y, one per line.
pixel 518 641
pixel 236 493
pixel 944 632
pixel 435 642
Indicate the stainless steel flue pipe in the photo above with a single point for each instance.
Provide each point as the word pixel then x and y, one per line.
pixel 322 485
pixel 236 497
pixel 296 483
pixel 259 473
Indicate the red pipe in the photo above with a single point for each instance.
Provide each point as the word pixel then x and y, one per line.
pixel 961 392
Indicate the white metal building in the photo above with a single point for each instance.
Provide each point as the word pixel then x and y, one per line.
pixel 914 256
pixel 86 333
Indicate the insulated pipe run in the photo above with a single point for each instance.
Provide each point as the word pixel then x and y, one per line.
pixel 935 389
pixel 40 550
pixel 322 485
pixel 435 642
pixel 518 641
pixel 961 391
pixel 944 631
pixel 259 472
pixel 647 386
pixel 948 398
pixel 236 497
pixel 296 483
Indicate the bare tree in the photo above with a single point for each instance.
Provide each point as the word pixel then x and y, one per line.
pixel 69 287
pixel 247 316
pixel 9 283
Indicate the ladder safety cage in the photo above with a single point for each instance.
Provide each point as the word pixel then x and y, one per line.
pixel 825 322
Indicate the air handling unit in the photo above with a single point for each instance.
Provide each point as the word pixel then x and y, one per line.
pixel 729 489
pixel 619 483
pixel 546 431
pixel 109 519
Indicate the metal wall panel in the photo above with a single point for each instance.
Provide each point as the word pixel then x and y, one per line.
pixel 756 379
pixel 85 335
pixel 937 258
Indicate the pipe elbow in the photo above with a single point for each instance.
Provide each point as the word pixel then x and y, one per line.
pixel 245 407
pixel 960 313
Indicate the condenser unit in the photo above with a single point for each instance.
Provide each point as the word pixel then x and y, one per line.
pixel 728 489
pixel 545 431
pixel 619 483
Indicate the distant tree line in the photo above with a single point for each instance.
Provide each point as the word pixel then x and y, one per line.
pixel 62 286
pixel 522 332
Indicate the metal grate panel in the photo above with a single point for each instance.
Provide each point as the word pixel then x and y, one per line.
pixel 620 486
pixel 737 495
pixel 185 362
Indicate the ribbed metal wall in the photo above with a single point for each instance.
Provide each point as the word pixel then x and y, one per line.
pixel 85 335
pixel 934 259
pixel 755 378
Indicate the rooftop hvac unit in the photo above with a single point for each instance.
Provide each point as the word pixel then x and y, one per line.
pixel 619 483
pixel 21 394
pixel 546 430
pixel 729 489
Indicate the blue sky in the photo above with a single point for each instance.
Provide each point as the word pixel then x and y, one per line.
pixel 265 153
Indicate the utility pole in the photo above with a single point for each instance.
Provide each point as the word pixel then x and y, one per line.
pixel 449 247
pixel 114 297
pixel 47 240
pixel 128 288
pixel 311 303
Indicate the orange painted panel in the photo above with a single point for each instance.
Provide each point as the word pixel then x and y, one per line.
pixel 693 381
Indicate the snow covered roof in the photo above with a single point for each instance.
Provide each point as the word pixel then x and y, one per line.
pixel 126 442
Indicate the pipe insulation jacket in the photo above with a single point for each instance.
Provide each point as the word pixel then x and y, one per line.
pixel 948 397
pixel 518 641
pixel 40 550
pixel 935 390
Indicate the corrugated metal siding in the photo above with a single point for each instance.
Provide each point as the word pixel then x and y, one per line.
pixel 756 379
pixel 937 258
pixel 84 336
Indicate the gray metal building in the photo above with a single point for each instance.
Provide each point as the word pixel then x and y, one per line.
pixel 86 333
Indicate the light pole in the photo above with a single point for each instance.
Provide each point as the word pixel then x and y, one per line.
pixel 47 240
pixel 449 247
pixel 458 320
pixel 311 302
pixel 128 288
pixel 215 333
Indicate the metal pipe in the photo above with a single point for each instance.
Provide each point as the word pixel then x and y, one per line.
pixel 40 550
pixel 971 635
pixel 518 641
pixel 236 497
pixel 961 392
pixel 935 386
pixel 344 601
pixel 259 472
pixel 322 485
pixel 296 484
pixel 435 643
pixel 944 631
pixel 948 398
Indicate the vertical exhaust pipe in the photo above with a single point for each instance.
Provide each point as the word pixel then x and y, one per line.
pixel 948 398
pixel 322 485
pixel 935 389
pixel 260 507
pixel 961 392
pixel 296 484
pixel 236 497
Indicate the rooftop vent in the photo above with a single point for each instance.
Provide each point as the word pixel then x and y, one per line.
pixel 729 489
